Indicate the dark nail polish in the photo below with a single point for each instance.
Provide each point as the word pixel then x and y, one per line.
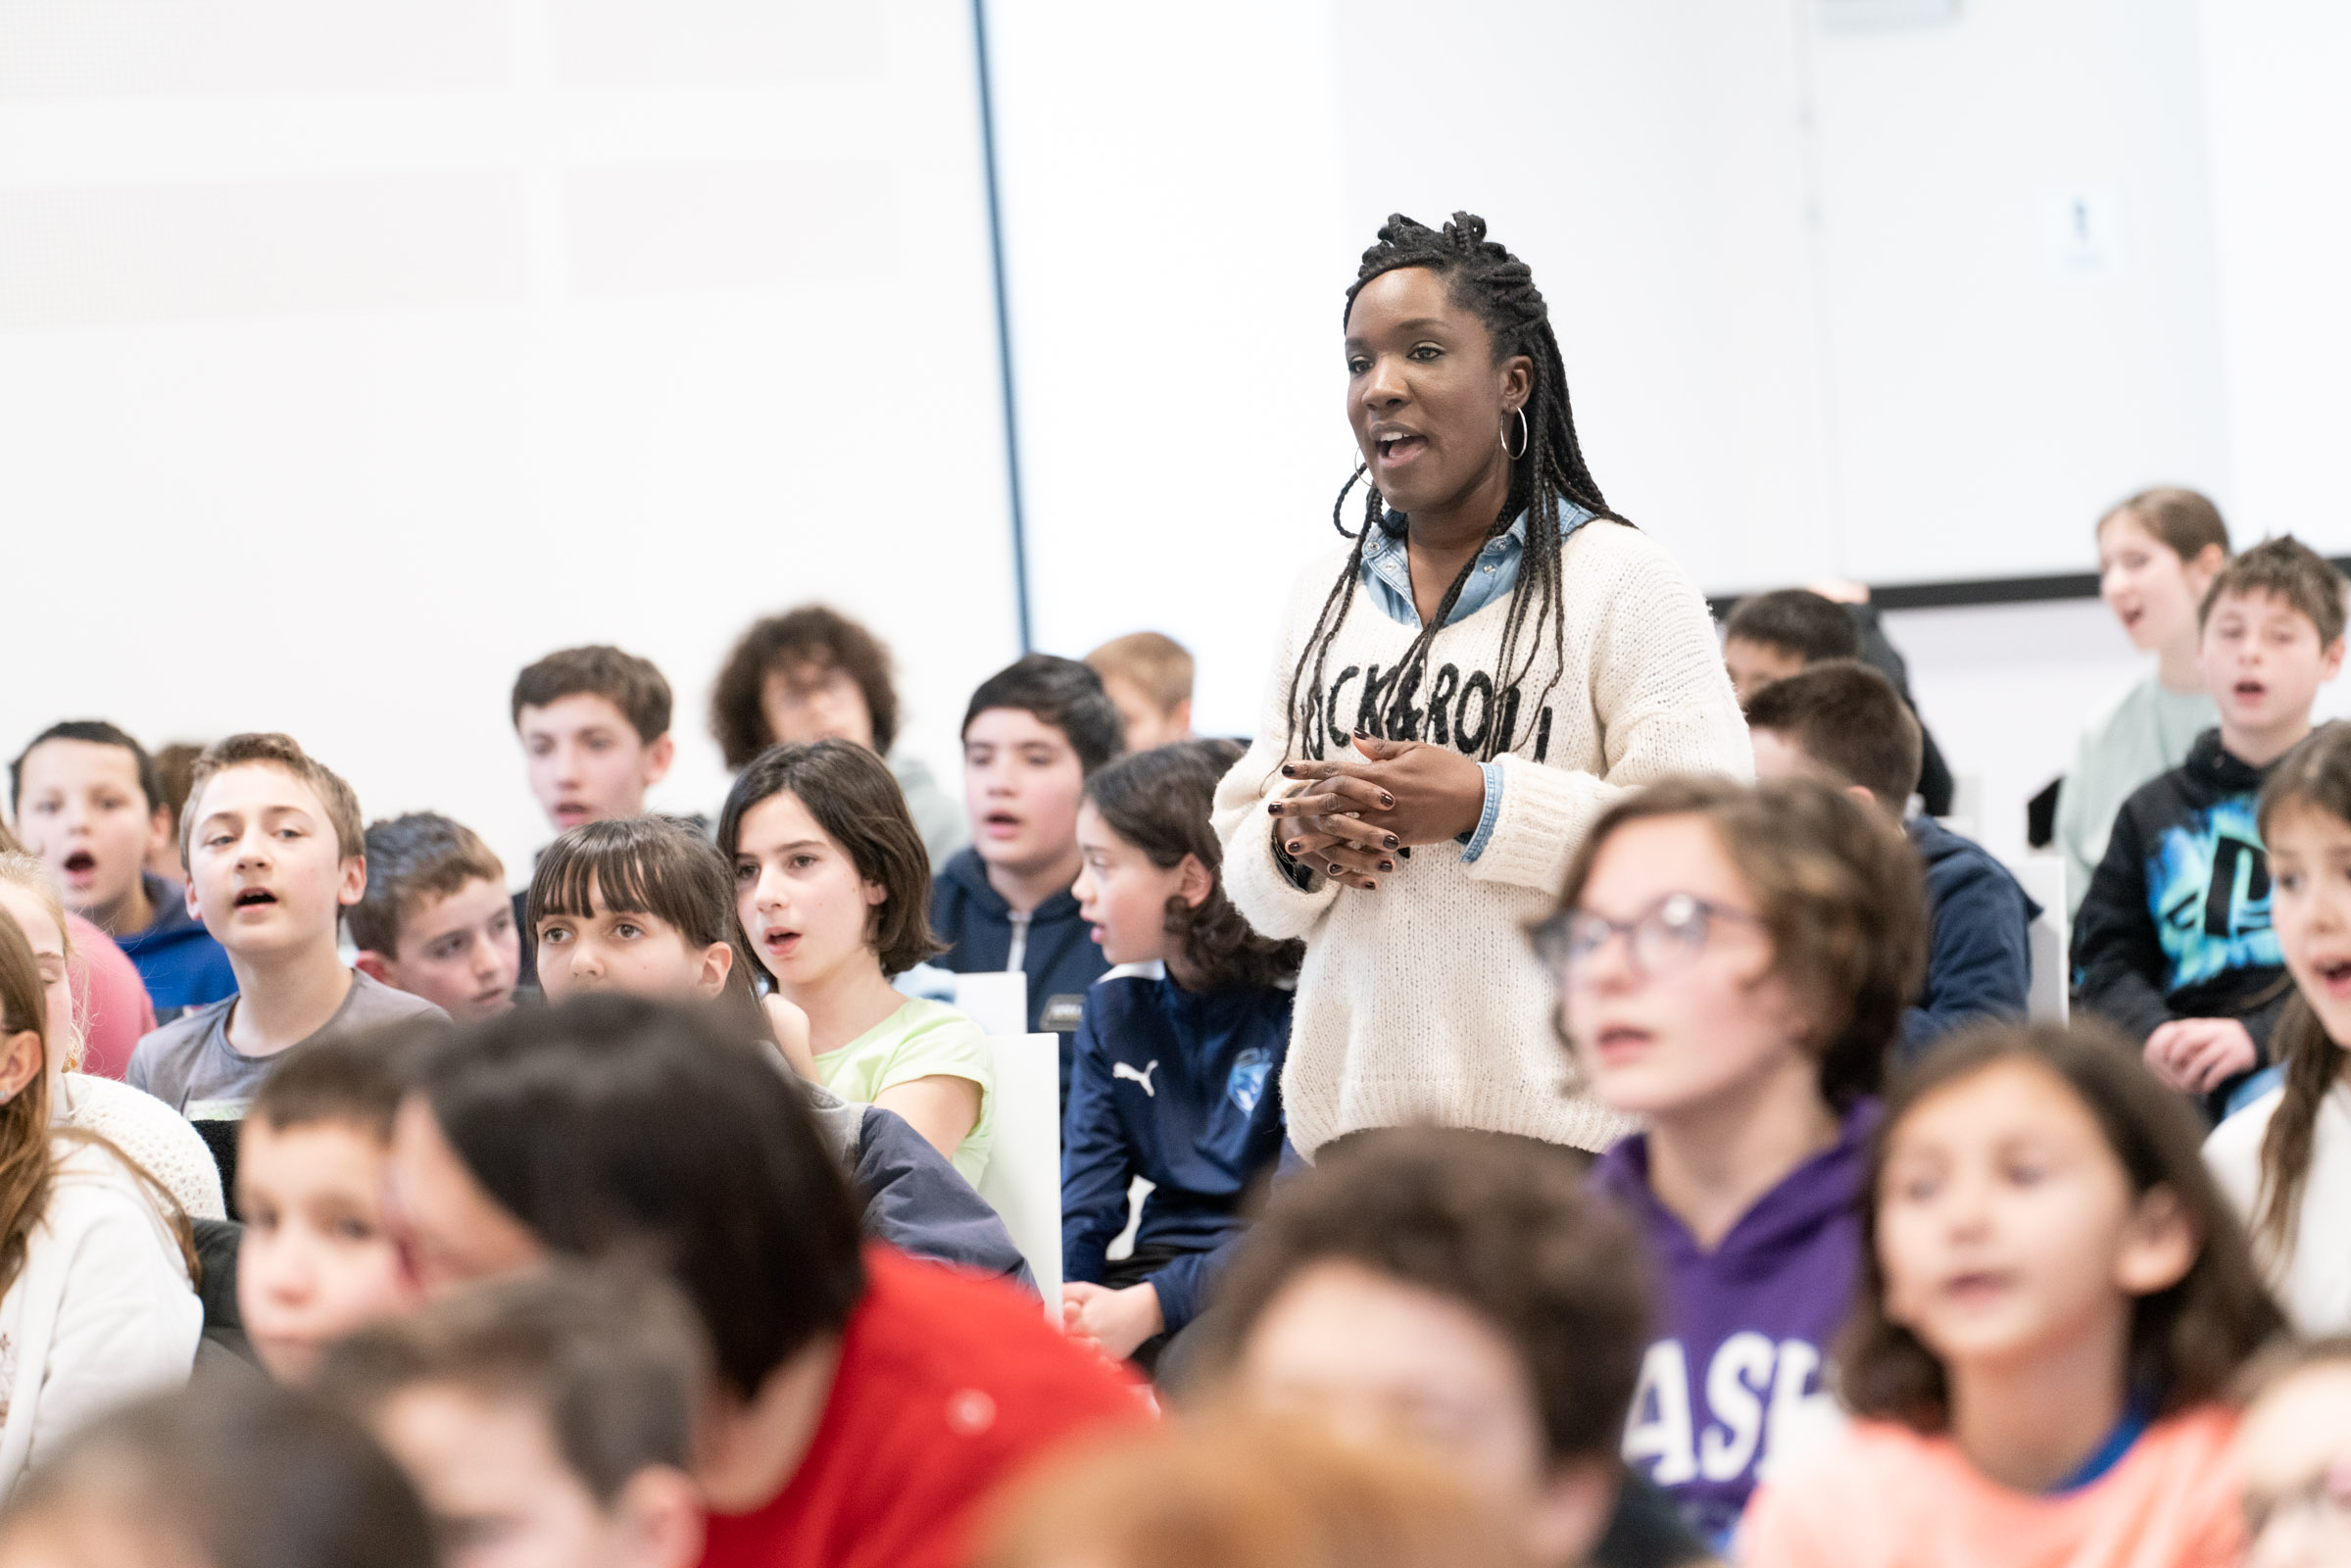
pixel 1273 808
pixel 1388 842
pixel 1288 771
pixel 1387 865
pixel 1334 869
pixel 1295 847
pixel 1387 800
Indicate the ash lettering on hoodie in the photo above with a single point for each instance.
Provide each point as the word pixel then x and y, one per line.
pixel 2208 888
pixel 1761 1402
pixel 1458 711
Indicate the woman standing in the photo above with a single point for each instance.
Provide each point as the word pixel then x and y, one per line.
pixel 1495 658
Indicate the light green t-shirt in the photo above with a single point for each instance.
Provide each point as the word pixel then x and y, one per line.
pixel 920 1040
pixel 2148 732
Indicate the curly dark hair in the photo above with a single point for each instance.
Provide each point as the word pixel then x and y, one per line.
pixel 1158 802
pixel 1501 1224
pixel 1483 277
pixel 812 634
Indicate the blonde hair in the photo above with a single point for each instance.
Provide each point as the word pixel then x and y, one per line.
pixel 20 870
pixel 1248 1495
pixel 1152 662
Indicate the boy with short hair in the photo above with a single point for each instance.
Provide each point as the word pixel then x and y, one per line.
pixel 2174 941
pixel 88 802
pixel 1034 732
pixel 1464 1289
pixel 594 724
pixel 315 1261
pixel 543 1418
pixel 1770 636
pixel 1843 721
pixel 436 919
pixel 1148 677
pixel 274 854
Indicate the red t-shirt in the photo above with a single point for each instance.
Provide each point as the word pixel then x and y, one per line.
pixel 948 1384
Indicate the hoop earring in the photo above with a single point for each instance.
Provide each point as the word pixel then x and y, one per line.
pixel 1524 436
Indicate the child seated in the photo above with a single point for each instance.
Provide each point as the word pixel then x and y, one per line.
pixel 315 1261
pixel 1034 732
pixel 547 1418
pixel 612 1126
pixel 1148 677
pixel 1733 964
pixel 274 854
pixel 2173 943
pixel 813 674
pixel 2285 1160
pixel 635 904
pixel 2293 1451
pixel 2157 554
pixel 833 893
pixel 1457 1292
pixel 1842 720
pixel 1769 637
pixel 435 921
pixel 594 724
pixel 237 1473
pixel 87 802
pixel 111 1008
pixel 1179 1059
pixel 2056 1302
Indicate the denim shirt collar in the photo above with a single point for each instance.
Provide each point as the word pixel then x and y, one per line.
pixel 1388 572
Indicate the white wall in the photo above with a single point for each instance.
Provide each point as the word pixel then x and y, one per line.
pixel 353 355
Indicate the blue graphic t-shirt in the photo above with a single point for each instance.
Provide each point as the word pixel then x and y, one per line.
pixel 2176 920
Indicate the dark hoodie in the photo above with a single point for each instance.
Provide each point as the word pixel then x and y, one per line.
pixel 1059 956
pixel 178 961
pixel 1979 956
pixel 2176 920
pixel 1735 1378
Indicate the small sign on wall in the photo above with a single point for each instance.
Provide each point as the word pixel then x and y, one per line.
pixel 2082 230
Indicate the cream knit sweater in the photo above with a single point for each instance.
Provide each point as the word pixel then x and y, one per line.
pixel 1422 1001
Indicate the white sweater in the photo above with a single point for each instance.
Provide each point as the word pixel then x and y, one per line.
pixel 1423 1002
pixel 101 1314
pixel 2312 1281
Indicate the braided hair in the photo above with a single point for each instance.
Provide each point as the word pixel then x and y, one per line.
pixel 1481 276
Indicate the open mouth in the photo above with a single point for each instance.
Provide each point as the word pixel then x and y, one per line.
pixel 1000 824
pixel 1400 446
pixel 1620 1042
pixel 254 898
pixel 81 862
pixel 779 944
pixel 2251 691
pixel 2335 973
pixel 570 813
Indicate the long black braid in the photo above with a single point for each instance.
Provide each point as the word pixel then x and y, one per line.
pixel 1481 275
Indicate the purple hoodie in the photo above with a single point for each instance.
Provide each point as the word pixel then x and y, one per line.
pixel 1738 1373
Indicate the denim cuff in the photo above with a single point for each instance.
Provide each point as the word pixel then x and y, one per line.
pixel 1477 839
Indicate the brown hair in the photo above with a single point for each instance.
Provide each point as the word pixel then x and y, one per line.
pixel 175 767
pixel 1246 1495
pixel 20 870
pixel 27 1163
pixel 2314 776
pixel 411 858
pixel 1502 1225
pixel 610 1357
pixel 335 797
pixel 2183 521
pixel 2187 1342
pixel 1152 662
pixel 1837 886
pixel 853 798
pixel 233 1473
pixel 1158 802
pixel 1848 718
pixel 655 866
pixel 812 634
pixel 2286 568
pixel 354 1078
pixel 629 683
pixel 1797 619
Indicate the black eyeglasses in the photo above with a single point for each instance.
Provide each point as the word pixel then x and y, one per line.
pixel 1662 941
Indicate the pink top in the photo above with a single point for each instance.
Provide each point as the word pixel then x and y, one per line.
pixel 109 996
pixel 1880 1495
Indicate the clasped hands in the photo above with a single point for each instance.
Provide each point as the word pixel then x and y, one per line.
pixel 1348 819
pixel 2199 1054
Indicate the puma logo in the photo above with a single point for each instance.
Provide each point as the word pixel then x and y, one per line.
pixel 1120 1069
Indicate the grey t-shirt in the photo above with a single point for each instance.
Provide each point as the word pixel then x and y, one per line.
pixel 190 1064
